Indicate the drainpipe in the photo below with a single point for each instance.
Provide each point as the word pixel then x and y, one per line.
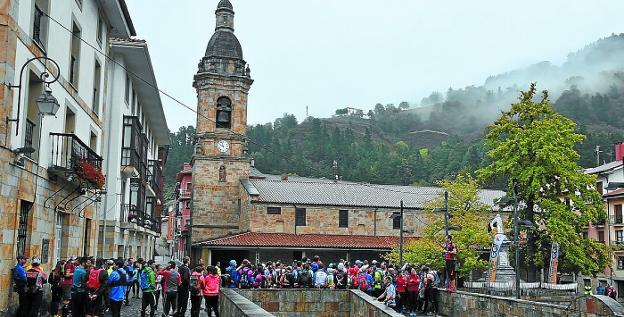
pixel 375 222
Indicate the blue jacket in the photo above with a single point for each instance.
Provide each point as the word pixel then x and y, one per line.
pixel 128 269
pixel 79 281
pixel 117 288
pixel 19 278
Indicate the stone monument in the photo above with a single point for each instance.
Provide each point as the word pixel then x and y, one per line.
pixel 504 271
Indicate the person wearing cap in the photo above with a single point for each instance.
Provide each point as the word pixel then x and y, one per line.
pixel 35 278
pixel 19 284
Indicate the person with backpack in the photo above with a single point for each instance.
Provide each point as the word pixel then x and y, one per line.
pixel 378 279
pixel 389 294
pixel 413 290
pixel 196 288
pixel 147 282
pixel 331 276
pixel 137 269
pixel 19 285
pixel 129 269
pixel 365 282
pixel 159 286
pixel 430 293
pixel 341 278
pixel 117 283
pixel 233 273
pixel 183 290
pixel 66 284
pixel 79 288
pixel 245 275
pixel 171 284
pixel 96 287
pixel 320 278
pixel 305 277
pixel 212 283
pixel 35 278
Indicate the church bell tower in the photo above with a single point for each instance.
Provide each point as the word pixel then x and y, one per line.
pixel 220 162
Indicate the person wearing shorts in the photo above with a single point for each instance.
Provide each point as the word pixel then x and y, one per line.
pixel 66 284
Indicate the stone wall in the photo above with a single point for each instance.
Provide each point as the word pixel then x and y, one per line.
pixel 324 220
pixel 232 304
pixel 363 305
pixel 479 305
pixel 301 302
pixel 309 303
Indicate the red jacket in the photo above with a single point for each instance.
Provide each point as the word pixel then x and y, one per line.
pixel 412 283
pixel 212 282
pixel 401 283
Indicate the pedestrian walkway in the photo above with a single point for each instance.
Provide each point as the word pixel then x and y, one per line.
pixel 134 310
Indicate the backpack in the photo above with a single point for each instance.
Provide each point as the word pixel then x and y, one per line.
pixel 258 280
pixel 194 284
pixel 244 280
pixel 321 279
pixel 378 279
pixel 145 285
pixel 363 282
pixel 130 272
pixel 340 279
pixel 94 279
pixel 330 281
pixel 306 278
pixel 34 281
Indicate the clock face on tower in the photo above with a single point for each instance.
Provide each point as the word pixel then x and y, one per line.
pixel 223 146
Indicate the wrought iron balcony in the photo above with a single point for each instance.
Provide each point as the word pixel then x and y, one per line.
pixel 67 150
pixel 131 214
pixel 616 220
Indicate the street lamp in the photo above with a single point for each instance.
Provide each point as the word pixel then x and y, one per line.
pixel 46 103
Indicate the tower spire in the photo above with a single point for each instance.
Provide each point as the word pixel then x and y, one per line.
pixel 225 16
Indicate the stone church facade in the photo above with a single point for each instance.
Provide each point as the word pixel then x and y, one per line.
pixel 239 212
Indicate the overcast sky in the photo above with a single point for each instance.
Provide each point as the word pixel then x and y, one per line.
pixel 327 54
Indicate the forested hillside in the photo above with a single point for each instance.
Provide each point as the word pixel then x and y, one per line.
pixel 441 135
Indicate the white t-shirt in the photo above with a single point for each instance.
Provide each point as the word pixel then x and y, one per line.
pixel 390 292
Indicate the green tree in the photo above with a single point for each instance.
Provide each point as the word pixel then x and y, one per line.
pixel 532 146
pixel 468 213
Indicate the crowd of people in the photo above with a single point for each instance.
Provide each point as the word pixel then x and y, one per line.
pixel 94 287
pixel 407 289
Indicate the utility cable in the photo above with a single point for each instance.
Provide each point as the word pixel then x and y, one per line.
pixel 245 137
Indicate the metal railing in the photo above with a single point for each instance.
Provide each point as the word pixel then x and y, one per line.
pixel 28 136
pixel 616 219
pixel 67 149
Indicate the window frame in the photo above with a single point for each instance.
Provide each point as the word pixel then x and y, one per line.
pixel 301 217
pixel 272 210
pixel 74 59
pixel 22 229
pixel 343 218
pixel 396 222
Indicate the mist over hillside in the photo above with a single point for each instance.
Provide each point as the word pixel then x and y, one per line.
pixel 443 134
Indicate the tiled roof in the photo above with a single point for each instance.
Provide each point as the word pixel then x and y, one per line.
pixel 309 191
pixel 604 167
pixel 289 240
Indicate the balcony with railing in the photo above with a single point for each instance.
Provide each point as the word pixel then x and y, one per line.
pixel 616 220
pixel 133 148
pixel 67 151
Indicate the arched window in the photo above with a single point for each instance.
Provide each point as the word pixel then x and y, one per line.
pixel 224 113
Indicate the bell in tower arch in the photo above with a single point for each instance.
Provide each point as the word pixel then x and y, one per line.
pixel 224 113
